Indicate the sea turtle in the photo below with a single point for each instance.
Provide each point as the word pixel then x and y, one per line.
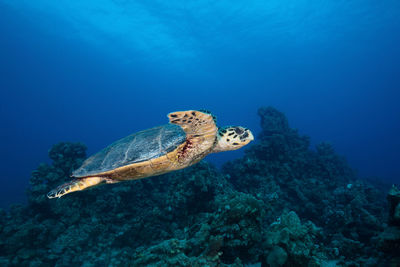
pixel 187 138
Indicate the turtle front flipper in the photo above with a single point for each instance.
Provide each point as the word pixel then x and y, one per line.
pixel 195 123
pixel 78 184
pixel 201 130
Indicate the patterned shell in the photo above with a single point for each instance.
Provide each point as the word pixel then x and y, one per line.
pixel 138 147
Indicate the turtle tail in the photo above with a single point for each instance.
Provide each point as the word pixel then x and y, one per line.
pixel 78 184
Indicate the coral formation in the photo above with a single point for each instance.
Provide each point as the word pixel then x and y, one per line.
pixel 389 240
pixel 282 204
pixel 394 201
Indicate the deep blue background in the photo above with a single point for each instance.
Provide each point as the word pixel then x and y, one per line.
pixel 96 71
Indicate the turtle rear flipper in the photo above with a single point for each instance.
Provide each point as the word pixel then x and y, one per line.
pixel 78 184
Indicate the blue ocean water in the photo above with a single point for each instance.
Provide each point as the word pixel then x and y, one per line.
pixel 96 71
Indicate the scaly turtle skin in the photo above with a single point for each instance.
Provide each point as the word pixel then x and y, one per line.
pixel 187 139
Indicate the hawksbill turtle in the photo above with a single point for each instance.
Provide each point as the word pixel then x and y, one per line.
pixel 187 138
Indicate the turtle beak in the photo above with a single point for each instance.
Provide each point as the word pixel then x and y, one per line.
pixel 251 136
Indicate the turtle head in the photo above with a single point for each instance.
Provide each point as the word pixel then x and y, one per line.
pixel 232 138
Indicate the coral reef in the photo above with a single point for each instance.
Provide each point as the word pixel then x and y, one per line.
pixel 282 204
pixel 394 201
pixel 284 168
pixel 389 240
